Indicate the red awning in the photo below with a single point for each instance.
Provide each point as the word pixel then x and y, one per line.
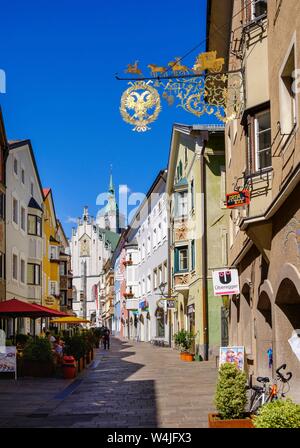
pixel 19 308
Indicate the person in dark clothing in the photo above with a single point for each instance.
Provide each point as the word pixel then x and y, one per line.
pixel 106 341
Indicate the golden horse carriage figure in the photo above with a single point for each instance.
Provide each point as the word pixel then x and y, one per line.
pixel 155 69
pixel 208 61
pixel 177 67
pixel 133 68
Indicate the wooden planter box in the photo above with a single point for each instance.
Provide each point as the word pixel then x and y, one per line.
pixel 184 356
pixel 37 368
pixel 214 422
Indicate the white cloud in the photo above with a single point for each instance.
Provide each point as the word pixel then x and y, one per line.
pixel 71 220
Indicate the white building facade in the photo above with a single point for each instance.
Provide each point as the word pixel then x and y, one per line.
pixel 24 236
pixel 147 274
pixel 92 244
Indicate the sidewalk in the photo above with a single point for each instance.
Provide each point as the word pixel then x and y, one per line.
pixel 134 384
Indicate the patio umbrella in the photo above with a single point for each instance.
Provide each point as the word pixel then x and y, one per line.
pixel 69 320
pixel 18 308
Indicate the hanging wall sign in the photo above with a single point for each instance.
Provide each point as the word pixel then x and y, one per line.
pixel 225 282
pixel 237 199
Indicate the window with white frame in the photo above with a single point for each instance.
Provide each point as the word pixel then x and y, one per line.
pixel 15 211
pixel 149 283
pixel 15 166
pixel 259 152
pixel 159 233
pixel 181 199
pixel 22 271
pixel 287 95
pixel 52 288
pixel 33 274
pixel 258 8
pixel 23 219
pixel 155 283
pixel 154 237
pixel 160 275
pixel 53 253
pixel 181 261
pixel 263 156
pixel 15 267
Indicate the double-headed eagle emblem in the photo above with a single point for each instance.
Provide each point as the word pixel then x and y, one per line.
pixel 140 105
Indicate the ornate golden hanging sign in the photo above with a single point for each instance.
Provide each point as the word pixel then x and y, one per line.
pixel 200 90
pixel 140 105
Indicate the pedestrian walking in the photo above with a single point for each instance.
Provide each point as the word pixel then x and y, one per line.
pixel 106 337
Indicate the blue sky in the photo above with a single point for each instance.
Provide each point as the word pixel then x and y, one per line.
pixel 60 58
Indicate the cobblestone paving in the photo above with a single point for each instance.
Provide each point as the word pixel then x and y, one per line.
pixel 132 385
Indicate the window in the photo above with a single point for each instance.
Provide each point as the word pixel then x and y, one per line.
pixel 15 211
pixel 287 96
pixel 185 155
pixel 15 166
pixel 33 274
pixel 262 129
pixel 23 218
pixel 181 204
pixel 2 265
pixel 258 8
pixel 52 289
pixel 160 277
pixel 15 267
pixel 23 176
pixel 149 283
pixel 34 225
pixel 181 259
pixel 193 255
pixel 155 279
pixel 259 155
pixel 253 9
pixel 192 195
pixel 31 189
pixel 159 233
pixel 165 271
pixel 143 251
pixel 53 252
pixel 2 205
pixel 22 271
pixel 63 268
pixel 149 245
pixel 154 237
pixel 63 298
pixel 143 286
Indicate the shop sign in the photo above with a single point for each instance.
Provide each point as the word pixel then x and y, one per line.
pixel 8 360
pixel 171 303
pixel 225 282
pixel 237 199
pixel 234 355
pixel 191 309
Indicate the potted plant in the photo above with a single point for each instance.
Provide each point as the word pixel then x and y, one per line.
pixel 278 414
pixel 75 346
pixel 184 340
pixel 38 358
pixel 230 399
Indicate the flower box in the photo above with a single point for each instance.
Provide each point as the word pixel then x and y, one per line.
pixel 215 422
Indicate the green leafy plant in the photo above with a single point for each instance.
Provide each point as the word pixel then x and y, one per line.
pixel 75 346
pixel 38 349
pixel 278 414
pixel 184 340
pixel 231 392
pixel 22 339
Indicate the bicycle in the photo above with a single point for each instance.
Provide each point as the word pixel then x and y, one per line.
pixel 267 393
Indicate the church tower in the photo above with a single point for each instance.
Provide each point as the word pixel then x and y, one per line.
pixel 108 216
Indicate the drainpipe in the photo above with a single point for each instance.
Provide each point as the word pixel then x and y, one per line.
pixel 201 143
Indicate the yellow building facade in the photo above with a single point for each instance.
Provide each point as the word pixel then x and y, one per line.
pixel 51 286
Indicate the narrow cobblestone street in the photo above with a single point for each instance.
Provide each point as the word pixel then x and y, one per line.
pixel 131 385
